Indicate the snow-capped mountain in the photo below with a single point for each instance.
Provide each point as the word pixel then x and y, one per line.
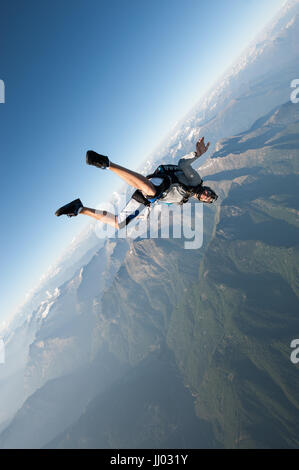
pixel 257 82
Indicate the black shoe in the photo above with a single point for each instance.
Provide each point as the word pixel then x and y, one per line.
pixel 71 209
pixel 95 159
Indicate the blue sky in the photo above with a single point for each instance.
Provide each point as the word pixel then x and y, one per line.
pixel 111 75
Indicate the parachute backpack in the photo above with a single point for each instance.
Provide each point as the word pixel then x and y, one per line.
pixel 170 175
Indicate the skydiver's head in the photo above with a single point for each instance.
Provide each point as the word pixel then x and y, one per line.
pixel 206 195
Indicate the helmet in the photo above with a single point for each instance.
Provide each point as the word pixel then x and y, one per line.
pixel 207 192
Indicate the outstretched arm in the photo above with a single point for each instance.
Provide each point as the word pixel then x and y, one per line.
pixel 201 148
pixel 186 161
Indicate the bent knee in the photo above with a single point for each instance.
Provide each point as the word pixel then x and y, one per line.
pixel 151 190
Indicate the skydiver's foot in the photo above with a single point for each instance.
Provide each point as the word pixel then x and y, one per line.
pixel 71 209
pixel 95 159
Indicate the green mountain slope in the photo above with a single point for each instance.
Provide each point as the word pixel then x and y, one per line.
pixel 233 339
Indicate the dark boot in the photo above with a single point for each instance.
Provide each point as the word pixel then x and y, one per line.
pixel 71 209
pixel 95 159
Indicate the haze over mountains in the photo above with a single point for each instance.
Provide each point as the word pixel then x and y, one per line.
pixel 141 343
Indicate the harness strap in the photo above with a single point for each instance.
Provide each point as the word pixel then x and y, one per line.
pixel 138 196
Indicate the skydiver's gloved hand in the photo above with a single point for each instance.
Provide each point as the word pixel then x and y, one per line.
pixel 201 148
pixel 95 159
